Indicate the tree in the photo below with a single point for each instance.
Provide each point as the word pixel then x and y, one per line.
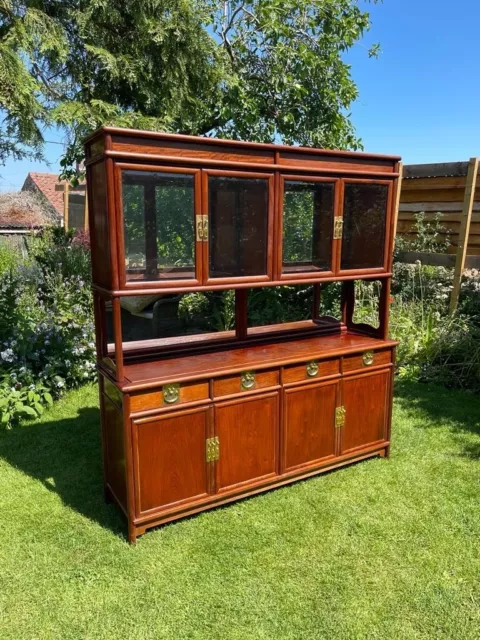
pixel 263 70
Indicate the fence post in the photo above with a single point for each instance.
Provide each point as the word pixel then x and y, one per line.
pixel 464 232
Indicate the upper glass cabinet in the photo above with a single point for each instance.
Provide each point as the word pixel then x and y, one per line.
pixel 365 208
pixel 240 212
pixel 159 225
pixel 307 227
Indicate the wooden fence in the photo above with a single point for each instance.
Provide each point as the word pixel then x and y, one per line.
pixel 452 189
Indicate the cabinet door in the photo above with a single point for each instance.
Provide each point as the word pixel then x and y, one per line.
pixel 247 434
pixel 170 460
pixel 309 434
pixel 366 403
pixel 308 207
pixel 364 244
pixel 159 208
pixel 239 207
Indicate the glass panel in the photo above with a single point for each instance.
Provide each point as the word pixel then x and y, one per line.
pixel 166 320
pixel 277 305
pixel 367 303
pixel 364 221
pixel 308 209
pixel 329 304
pixel 158 213
pixel 238 226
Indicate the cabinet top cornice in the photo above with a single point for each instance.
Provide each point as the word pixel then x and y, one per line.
pixel 219 143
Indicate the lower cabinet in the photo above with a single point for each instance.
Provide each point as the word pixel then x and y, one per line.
pixel 309 434
pixel 366 404
pixel 188 455
pixel 247 430
pixel 169 458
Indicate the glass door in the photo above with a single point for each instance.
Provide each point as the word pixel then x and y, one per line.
pixel 237 226
pixel 159 208
pixel 365 234
pixel 306 225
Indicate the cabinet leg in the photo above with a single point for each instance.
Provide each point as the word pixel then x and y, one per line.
pixel 132 534
pixel 384 453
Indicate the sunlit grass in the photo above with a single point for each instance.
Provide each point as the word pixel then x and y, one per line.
pixel 382 549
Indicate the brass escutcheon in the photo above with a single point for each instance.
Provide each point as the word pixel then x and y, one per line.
pixel 312 369
pixel 368 358
pixel 247 380
pixel 171 393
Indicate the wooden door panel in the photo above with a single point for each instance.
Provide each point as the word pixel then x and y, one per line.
pixel 170 458
pixel 309 425
pixel 365 398
pixel 247 432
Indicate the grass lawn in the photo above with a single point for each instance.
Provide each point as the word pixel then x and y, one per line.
pixel 382 549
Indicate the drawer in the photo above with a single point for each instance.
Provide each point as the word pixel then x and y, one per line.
pixel 311 370
pixel 366 360
pixel 169 396
pixel 246 381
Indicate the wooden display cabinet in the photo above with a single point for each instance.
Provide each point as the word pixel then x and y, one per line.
pixel 198 412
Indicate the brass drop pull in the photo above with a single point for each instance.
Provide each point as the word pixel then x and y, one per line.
pixel 340 417
pixel 212 449
pixel 312 369
pixel 171 393
pixel 367 358
pixel 247 380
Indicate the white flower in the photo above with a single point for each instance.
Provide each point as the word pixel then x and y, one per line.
pixel 7 355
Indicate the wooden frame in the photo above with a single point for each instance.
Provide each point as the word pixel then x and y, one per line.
pixel 195 421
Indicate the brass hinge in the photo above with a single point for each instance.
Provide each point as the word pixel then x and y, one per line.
pixel 338 228
pixel 201 224
pixel 339 417
pixel 213 449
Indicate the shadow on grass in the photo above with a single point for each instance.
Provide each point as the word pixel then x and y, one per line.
pixel 65 456
pixel 457 409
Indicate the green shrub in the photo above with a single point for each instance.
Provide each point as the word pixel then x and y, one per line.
pixel 46 327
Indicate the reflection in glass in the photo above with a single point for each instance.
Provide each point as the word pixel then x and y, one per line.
pixel 165 317
pixel 364 221
pixel 158 213
pixel 238 226
pixel 308 210
pixel 277 305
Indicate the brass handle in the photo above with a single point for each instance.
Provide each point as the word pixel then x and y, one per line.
pixel 367 358
pixel 312 369
pixel 247 380
pixel 171 393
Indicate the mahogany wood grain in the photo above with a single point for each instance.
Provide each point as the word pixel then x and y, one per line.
pixel 140 135
pixel 365 398
pixel 309 425
pixel 355 363
pixel 229 385
pixel 145 374
pixel 189 392
pixel 115 469
pixel 247 430
pixel 143 523
pixel 170 463
pixel 281 429
pixel 299 373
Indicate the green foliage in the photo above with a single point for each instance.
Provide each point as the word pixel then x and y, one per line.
pixel 430 235
pixel 46 328
pixel 9 258
pixel 263 70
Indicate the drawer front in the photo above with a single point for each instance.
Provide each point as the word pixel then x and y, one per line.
pixel 246 381
pixel 366 360
pixel 170 395
pixel 311 370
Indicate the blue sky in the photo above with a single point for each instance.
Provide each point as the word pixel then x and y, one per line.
pixel 420 99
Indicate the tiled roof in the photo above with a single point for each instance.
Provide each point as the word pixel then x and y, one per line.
pixel 45 183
